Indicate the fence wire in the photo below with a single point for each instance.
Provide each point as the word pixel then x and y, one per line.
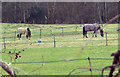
pixel 59 41
pixel 69 36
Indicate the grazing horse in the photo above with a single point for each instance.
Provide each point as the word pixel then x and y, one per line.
pixel 25 31
pixel 92 27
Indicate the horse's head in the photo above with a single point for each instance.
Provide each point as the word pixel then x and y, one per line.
pixel 101 32
pixel 29 32
pixel 28 29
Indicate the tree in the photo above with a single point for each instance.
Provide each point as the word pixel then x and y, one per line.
pixel 58 12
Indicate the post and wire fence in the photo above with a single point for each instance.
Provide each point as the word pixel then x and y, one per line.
pixel 66 37
pixel 55 42
pixel 106 38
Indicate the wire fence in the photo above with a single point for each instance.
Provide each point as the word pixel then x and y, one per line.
pixel 58 41
pixel 64 60
pixel 51 29
pixel 49 32
pixel 55 40
pixel 81 69
pixel 56 36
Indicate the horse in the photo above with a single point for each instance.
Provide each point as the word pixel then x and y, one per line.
pixel 25 31
pixel 92 27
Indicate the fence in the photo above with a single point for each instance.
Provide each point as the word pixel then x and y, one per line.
pixel 58 36
pixel 83 69
pixel 64 60
pixel 54 41
pixel 49 30
pixel 55 30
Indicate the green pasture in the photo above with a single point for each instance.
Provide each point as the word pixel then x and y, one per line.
pixel 62 60
pixel 69 36
pixel 61 41
pixel 71 51
pixel 9 29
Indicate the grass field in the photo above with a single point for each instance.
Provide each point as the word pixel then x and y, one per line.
pixel 54 59
pixel 64 38
pixel 68 46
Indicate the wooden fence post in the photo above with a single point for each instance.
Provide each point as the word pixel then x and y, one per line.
pixel 90 66
pixel 40 33
pixel 62 32
pixel 4 43
pixel 106 38
pixel 15 36
pixel 54 41
pixel 76 29
pixel 50 31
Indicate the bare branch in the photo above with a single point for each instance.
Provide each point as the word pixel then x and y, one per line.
pixel 7 68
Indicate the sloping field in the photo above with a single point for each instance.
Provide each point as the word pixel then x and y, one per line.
pixel 62 60
pixel 71 50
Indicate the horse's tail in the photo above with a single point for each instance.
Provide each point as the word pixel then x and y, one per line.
pixel 83 30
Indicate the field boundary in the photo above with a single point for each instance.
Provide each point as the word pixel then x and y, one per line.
pixel 53 40
pixel 64 60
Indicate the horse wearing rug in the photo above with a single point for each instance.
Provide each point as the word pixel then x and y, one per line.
pixel 92 27
pixel 25 31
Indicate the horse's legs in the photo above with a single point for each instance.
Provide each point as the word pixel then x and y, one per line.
pixel 20 35
pixel 27 36
pixel 28 33
pixel 85 34
pixel 94 34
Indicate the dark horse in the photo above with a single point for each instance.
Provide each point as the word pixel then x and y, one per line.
pixel 24 31
pixel 92 27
